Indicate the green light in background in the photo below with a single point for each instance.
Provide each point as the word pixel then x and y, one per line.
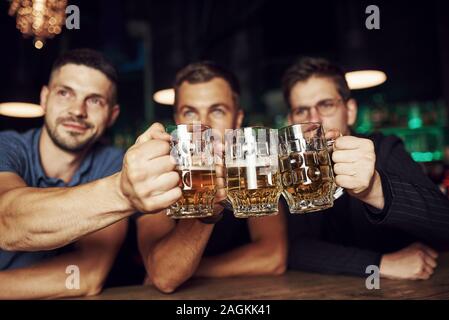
pixel 414 120
pixel 422 156
pixel 427 156
pixel 438 155
pixel 364 124
pixel 415 123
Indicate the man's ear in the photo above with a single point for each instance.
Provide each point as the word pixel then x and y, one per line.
pixel 239 119
pixel 44 97
pixel 351 107
pixel 115 111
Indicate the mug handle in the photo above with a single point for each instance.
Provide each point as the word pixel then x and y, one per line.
pixel 339 191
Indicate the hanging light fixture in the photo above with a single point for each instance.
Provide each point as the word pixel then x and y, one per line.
pixel 166 96
pixel 357 53
pixel 21 110
pixel 41 19
pixel 363 79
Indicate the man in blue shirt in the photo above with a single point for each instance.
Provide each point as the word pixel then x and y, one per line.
pixel 60 185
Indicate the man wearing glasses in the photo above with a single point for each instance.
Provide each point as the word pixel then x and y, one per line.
pixel 391 214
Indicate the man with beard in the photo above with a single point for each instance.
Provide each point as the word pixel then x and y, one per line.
pixel 214 247
pixel 59 185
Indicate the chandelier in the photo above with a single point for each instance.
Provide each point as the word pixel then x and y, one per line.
pixel 41 19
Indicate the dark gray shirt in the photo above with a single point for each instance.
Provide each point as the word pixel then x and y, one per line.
pixel 19 153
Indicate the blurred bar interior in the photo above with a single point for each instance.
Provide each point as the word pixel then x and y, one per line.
pixel 258 39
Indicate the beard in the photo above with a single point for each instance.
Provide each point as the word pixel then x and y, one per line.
pixel 70 141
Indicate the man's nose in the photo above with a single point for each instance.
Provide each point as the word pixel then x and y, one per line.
pixel 204 119
pixel 78 109
pixel 314 115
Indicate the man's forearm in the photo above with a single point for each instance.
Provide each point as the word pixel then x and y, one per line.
pixel 419 210
pixel 252 259
pixel 175 258
pixel 34 219
pixel 315 255
pixel 48 280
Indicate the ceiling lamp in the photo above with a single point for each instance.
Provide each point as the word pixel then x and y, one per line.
pixel 363 79
pixel 166 96
pixel 41 19
pixel 21 110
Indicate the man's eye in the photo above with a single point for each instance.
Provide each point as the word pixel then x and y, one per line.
pixel 326 105
pixel 63 93
pixel 301 111
pixel 189 114
pixel 218 112
pixel 95 101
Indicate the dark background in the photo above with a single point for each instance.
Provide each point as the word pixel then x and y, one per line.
pixel 257 39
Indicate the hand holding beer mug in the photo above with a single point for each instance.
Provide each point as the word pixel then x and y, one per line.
pixel 252 171
pixel 306 169
pixel 193 149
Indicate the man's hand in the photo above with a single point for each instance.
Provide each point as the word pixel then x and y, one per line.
pixel 354 161
pixel 414 262
pixel 148 179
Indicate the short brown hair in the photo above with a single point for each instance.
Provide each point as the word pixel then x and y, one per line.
pixel 92 59
pixel 309 67
pixel 204 71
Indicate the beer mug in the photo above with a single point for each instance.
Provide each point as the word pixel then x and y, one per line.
pixel 192 148
pixel 306 169
pixel 252 171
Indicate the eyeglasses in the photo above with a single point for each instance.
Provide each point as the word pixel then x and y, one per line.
pixel 325 108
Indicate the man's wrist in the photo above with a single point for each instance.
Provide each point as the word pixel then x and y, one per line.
pixel 373 195
pixel 122 202
pixel 384 262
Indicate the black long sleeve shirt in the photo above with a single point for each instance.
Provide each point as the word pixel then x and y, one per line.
pixel 352 235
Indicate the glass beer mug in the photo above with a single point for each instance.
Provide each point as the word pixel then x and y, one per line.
pixel 193 151
pixel 252 171
pixel 306 169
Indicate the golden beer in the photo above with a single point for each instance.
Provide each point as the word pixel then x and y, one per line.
pixel 252 171
pixel 193 152
pixel 307 180
pixel 198 192
pixel 253 191
pixel 306 169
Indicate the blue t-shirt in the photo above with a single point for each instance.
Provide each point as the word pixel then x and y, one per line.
pixel 19 153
